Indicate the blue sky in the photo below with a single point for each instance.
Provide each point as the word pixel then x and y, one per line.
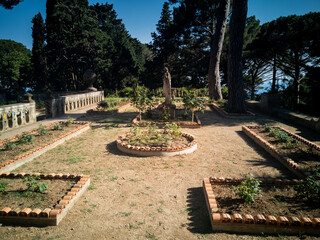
pixel 139 16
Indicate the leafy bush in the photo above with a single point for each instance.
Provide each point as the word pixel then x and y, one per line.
pixel 26 138
pixel 166 113
pixel 126 92
pixel 42 130
pixel 141 99
pixel 309 188
pixel 33 184
pixel 152 136
pixel 224 91
pixel 193 103
pixel 248 189
pixel 58 126
pixel 69 121
pixel 3 188
pixel 9 145
pixel 281 135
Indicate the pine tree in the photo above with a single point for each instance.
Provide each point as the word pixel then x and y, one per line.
pixel 216 49
pixel 38 53
pixel 236 97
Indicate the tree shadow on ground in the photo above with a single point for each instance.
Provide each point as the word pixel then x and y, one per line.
pixel 269 160
pixel 112 148
pixel 198 214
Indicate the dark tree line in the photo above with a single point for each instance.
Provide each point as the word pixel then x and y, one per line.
pixel 76 37
pixel 284 52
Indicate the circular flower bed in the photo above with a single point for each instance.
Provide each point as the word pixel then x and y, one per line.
pixel 168 141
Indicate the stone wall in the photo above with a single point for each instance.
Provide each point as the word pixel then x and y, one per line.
pixel 61 104
pixel 17 115
pixel 270 104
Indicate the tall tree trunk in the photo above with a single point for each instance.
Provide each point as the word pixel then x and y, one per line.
pixel 216 49
pixel 274 74
pixel 236 97
pixel 296 81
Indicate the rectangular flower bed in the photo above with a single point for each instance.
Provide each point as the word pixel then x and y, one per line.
pixel 187 124
pixel 254 222
pixel 296 153
pixel 225 114
pixel 49 215
pixel 12 158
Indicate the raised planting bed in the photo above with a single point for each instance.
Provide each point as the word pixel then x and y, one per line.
pixel 110 108
pixel 296 153
pixel 222 111
pixel 276 211
pixel 47 208
pixel 180 121
pixel 25 147
pixel 154 142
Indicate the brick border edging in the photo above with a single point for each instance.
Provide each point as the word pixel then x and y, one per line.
pixel 286 161
pixel 158 151
pixel 196 124
pixel 225 114
pixel 28 156
pixel 48 216
pixel 259 223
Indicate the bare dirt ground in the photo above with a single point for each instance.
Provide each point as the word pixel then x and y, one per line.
pixel 151 197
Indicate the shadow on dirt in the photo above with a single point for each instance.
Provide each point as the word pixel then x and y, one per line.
pixel 197 212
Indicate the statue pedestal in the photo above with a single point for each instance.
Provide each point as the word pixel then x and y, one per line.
pixel 172 110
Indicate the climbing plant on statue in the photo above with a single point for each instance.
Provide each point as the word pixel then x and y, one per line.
pixel 193 103
pixel 141 99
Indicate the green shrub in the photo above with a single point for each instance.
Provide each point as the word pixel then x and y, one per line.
pixel 26 138
pixel 126 92
pixel 3 188
pixel 69 121
pixel 9 145
pixel 224 91
pixel 33 184
pixel 309 188
pixel 58 126
pixel 42 130
pixel 248 189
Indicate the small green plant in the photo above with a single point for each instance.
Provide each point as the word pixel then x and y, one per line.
pixel 193 103
pixel 42 130
pixel 58 126
pixel 9 145
pixel 3 188
pixel 26 138
pixel 33 184
pixel 141 99
pixel 267 128
pixel 165 115
pixel 309 188
pixel 248 189
pixel 69 121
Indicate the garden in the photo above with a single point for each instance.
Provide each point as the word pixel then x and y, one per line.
pixel 152 196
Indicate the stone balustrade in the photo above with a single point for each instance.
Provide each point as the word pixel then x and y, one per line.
pixel 68 103
pixel 17 115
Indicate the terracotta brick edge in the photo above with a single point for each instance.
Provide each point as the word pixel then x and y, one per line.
pixel 225 114
pixel 190 137
pixel 286 161
pixel 259 223
pixel 48 216
pixel 196 124
pixel 33 151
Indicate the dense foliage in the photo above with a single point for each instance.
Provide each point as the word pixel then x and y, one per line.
pixel 15 68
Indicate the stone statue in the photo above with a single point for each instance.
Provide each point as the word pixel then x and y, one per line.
pixel 89 77
pixel 167 86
